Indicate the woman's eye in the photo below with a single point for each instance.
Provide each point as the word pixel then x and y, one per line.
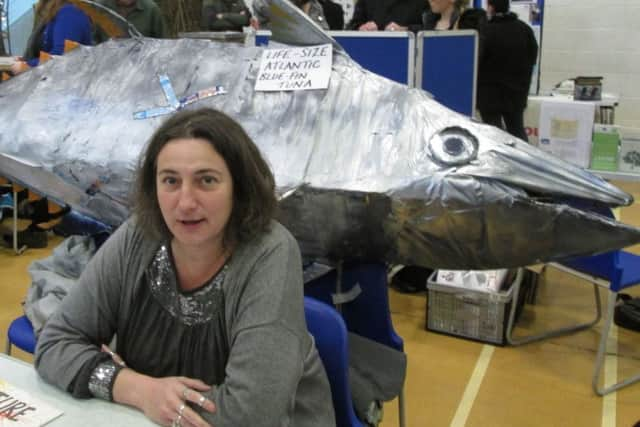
pixel 453 146
pixel 169 180
pixel 208 180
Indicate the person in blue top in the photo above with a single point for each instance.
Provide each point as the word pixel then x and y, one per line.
pixel 56 21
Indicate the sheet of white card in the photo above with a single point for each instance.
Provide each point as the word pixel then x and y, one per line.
pixel 295 68
pixel 19 408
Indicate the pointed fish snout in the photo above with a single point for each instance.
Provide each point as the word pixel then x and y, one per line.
pixel 533 170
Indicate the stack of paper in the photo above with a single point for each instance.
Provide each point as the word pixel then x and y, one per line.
pixel 479 280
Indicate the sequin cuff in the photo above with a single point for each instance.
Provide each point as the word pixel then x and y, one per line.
pixel 102 378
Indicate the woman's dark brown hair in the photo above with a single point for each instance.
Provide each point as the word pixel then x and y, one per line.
pixel 254 200
pixel 47 9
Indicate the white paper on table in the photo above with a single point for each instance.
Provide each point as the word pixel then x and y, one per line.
pixel 19 408
pixel 565 130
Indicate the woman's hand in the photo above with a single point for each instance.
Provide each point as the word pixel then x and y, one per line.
pixel 392 26
pixel 164 400
pixel 368 26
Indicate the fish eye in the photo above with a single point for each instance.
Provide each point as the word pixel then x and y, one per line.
pixel 453 146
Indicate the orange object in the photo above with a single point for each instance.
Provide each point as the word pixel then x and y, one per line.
pixel 69 45
pixel 4 76
pixel 44 57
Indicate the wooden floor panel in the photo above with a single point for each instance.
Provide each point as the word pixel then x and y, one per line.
pixel 541 384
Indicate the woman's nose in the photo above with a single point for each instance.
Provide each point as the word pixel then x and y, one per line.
pixel 187 198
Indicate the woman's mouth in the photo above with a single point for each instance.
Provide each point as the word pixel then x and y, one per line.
pixel 190 222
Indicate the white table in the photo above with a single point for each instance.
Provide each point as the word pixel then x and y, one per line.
pixel 77 412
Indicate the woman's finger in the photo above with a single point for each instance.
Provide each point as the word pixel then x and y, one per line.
pixel 194 384
pixel 191 419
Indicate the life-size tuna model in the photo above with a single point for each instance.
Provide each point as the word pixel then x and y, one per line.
pixel 366 168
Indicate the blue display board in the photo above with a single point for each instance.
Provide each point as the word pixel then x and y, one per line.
pixel 262 37
pixel 389 54
pixel 447 66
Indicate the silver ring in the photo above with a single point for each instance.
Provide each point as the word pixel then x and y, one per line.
pixel 184 393
pixel 178 418
pixel 202 400
pixel 180 409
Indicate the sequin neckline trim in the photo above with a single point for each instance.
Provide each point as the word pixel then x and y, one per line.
pixel 199 306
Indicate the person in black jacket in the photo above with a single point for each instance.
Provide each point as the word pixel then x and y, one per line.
pixel 508 52
pixel 390 15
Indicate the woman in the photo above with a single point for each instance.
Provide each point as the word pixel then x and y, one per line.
pixel 55 22
pixel 444 14
pixel 203 290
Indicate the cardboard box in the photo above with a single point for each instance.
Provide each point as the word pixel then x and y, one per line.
pixel 604 151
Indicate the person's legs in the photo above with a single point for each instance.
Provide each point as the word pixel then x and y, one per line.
pixel 514 122
pixel 492 118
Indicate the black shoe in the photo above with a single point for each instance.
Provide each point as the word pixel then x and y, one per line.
pixel 29 238
pixel 411 280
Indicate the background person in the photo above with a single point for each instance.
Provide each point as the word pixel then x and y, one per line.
pixel 390 15
pixel 224 15
pixel 205 291
pixel 508 53
pixel 444 14
pixel 55 22
pixel 145 15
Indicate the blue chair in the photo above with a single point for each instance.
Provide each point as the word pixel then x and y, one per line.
pixel 21 335
pixel 360 294
pixel 330 334
pixel 615 270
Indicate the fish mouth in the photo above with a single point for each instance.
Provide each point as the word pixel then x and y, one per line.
pixel 509 205
pixel 482 223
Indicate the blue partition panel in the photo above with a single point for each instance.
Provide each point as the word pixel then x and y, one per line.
pixel 389 54
pixel 262 37
pixel 447 67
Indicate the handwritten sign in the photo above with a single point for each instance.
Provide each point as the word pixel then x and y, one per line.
pixel 19 409
pixel 299 68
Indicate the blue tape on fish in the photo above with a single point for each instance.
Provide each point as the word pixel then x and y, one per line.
pixel 153 112
pixel 202 94
pixel 169 93
pixel 174 103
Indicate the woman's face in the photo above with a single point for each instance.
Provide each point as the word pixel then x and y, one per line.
pixel 195 192
pixel 440 6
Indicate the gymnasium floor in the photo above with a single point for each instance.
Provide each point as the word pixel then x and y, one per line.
pixel 456 382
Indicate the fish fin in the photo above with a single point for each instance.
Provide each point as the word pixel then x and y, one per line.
pixel 292 26
pixel 110 22
pixel 69 45
pixel 44 57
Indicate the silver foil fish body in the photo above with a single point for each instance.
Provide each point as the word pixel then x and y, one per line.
pixel 366 169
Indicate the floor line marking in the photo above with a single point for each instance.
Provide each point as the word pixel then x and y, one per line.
pixel 471 391
pixel 610 377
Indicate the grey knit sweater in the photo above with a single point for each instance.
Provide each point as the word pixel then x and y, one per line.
pixel 253 344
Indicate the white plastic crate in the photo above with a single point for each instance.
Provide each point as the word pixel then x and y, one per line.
pixel 468 313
